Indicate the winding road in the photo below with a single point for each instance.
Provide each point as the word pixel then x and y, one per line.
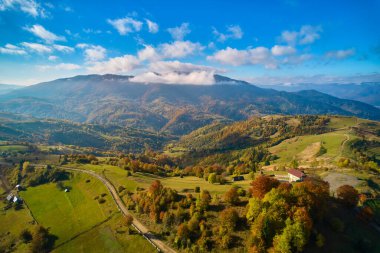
pixel 157 243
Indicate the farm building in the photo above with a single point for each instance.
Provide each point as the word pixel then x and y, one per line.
pixel 10 197
pixel 237 178
pixel 295 175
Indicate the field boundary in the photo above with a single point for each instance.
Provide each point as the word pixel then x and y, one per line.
pixel 85 231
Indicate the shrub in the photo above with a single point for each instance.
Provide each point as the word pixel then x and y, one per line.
pixel 101 200
pixel 197 189
pixel 26 236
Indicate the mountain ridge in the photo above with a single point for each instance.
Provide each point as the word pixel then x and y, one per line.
pixel 173 108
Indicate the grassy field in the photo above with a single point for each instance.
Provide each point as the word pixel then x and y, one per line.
pixel 77 210
pixel 108 237
pixel 115 174
pixel 13 148
pixel 12 222
pixel 297 147
pixel 343 122
pixel 119 177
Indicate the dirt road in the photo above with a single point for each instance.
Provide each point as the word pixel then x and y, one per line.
pixel 157 243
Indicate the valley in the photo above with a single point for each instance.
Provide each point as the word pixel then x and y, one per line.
pixel 185 168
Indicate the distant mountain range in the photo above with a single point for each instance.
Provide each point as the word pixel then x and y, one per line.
pixel 5 88
pixel 175 109
pixel 365 92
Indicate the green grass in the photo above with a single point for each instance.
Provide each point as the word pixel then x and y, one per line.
pixel 108 237
pixel 13 148
pixel 289 149
pixel 188 184
pixel 68 214
pixel 118 177
pixel 13 221
pixel 115 174
pixel 342 122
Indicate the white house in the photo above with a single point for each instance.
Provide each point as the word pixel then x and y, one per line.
pixel 295 175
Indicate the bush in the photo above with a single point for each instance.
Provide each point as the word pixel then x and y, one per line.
pixel 197 189
pixel 103 194
pixel 121 188
pixel 26 236
pixel 101 200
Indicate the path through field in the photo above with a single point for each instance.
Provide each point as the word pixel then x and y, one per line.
pixel 343 143
pixel 159 244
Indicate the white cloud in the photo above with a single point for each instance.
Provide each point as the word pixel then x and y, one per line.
pixel 30 7
pixel 36 47
pixel 175 72
pixel 126 25
pixel 61 66
pixel 340 54
pixel 297 59
pixel 64 49
pixel 12 49
pixel 197 77
pixel 148 53
pixel 253 56
pixel 278 50
pixel 92 53
pixel 233 32
pixel 179 67
pixel 117 65
pixel 44 34
pixel 309 34
pixel 53 58
pixel 152 26
pixel 306 35
pixel 179 49
pixel 176 49
pixel 179 32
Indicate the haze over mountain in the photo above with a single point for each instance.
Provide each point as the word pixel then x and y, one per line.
pixel 365 92
pixel 172 108
pixel 5 88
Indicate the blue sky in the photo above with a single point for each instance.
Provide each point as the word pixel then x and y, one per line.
pixel 279 41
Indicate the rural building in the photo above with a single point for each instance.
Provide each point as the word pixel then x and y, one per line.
pixel 10 197
pixel 237 178
pixel 295 175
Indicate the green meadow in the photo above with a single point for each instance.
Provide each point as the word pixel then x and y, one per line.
pixel 118 177
pixel 290 149
pixel 77 209
pixel 13 148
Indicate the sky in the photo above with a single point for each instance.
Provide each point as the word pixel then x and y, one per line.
pixel 264 42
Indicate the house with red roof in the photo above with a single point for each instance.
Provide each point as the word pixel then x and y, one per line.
pixel 295 175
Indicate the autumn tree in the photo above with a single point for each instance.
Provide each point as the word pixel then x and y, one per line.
pixel 203 202
pixel 261 185
pixel 229 217
pixel 42 242
pixel 231 196
pixel 212 178
pixel 128 220
pixel 348 194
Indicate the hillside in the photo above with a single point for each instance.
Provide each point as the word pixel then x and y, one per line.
pixel 5 88
pixel 175 109
pixel 309 140
pixel 19 128
pixel 365 92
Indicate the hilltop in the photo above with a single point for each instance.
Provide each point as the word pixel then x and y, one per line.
pixel 172 108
